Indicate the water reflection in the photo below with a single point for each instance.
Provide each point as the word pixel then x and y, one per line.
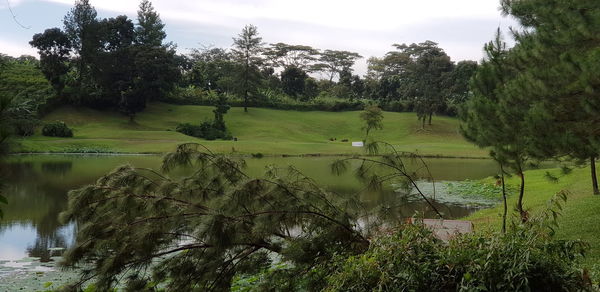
pixel 56 167
pixel 37 188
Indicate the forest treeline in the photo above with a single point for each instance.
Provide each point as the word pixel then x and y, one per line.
pixel 121 63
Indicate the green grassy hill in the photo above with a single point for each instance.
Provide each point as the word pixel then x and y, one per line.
pixel 260 130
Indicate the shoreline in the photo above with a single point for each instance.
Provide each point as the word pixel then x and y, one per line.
pixel 235 155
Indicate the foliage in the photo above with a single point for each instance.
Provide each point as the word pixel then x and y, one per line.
pixel 558 52
pixel 206 130
pixel 22 118
pixel 491 119
pixel 268 99
pixel 57 129
pixel 335 62
pixel 413 259
pixel 210 130
pixel 214 224
pixel 108 63
pixel 150 29
pixel 293 81
pixel 247 47
pixel 281 55
pixel 372 118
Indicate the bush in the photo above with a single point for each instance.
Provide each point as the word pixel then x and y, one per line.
pixel 57 129
pixel 205 130
pixel 412 259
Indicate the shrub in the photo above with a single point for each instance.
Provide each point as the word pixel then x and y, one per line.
pixel 412 259
pixel 57 129
pixel 206 130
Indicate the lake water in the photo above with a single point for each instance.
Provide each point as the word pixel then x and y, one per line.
pixel 37 186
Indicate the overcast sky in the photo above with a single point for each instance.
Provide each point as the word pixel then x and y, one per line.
pixel 368 27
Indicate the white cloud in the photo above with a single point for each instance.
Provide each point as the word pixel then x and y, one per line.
pixel 373 15
pixel 16 49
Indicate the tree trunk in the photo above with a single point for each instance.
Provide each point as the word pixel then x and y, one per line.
pixel 430 114
pixel 594 178
pixel 505 211
pixel 522 212
pixel 246 89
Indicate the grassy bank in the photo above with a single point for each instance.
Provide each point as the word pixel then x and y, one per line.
pixel 580 215
pixel 260 130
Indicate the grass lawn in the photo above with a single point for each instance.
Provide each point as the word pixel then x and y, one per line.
pixel 580 215
pixel 260 130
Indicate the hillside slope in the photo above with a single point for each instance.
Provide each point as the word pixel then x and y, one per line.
pixel 260 130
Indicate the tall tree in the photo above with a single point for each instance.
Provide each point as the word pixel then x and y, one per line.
pixel 54 48
pixel 281 55
pixel 80 25
pixel 247 48
pixel 149 29
pixel 496 118
pixel 334 62
pixel 558 48
pixel 427 73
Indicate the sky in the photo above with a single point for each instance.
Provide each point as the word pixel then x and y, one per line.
pixel 368 27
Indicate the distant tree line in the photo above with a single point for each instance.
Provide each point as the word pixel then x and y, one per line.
pixel 121 64
pixel 416 77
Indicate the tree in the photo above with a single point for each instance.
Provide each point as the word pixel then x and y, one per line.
pixel 213 225
pixel 221 109
pixel 427 73
pixel 247 49
pixel 495 117
pixel 558 50
pixel 334 62
pixel 372 117
pixel 157 71
pixel 281 55
pixel 54 48
pixel 211 66
pixel 149 30
pixel 293 81
pixel 155 66
pixel 80 25
pixel 457 87
pixel 114 69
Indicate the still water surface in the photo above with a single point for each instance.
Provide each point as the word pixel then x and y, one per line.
pixel 37 187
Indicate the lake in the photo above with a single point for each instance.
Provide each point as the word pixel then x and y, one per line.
pixel 37 187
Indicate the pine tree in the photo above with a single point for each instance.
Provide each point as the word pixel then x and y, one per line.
pixel 81 26
pixel 558 53
pixel 150 28
pixel 197 232
pixel 247 48
pixel 495 117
